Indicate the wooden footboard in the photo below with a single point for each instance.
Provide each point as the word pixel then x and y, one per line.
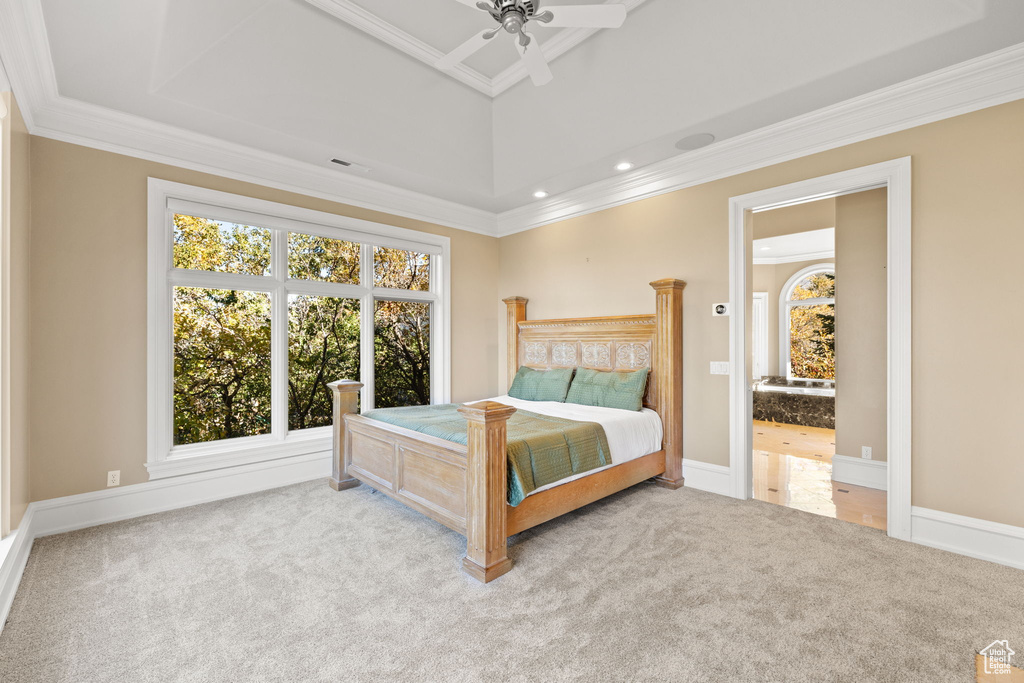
pixel 465 487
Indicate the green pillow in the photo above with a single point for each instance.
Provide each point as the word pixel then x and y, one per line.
pixel 623 390
pixel 541 385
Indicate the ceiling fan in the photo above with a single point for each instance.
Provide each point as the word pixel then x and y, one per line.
pixel 515 16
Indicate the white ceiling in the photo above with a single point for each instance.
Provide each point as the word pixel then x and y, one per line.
pixel 799 246
pixel 286 77
pixel 446 24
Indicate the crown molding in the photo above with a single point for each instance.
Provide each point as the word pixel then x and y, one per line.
pixel 5 84
pixel 986 81
pixel 24 50
pixel 86 124
pixel 366 21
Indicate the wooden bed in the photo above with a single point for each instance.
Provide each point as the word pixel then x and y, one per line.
pixel 465 487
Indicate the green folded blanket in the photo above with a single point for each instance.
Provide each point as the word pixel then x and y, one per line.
pixel 541 449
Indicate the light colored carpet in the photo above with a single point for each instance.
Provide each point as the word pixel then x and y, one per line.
pixel 305 584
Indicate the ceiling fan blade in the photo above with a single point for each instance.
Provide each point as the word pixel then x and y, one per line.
pixel 586 16
pixel 465 50
pixel 535 61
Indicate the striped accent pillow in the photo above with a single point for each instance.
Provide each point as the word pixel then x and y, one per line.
pixel 623 390
pixel 541 385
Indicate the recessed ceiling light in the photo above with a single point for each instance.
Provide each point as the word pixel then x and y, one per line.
pixel 692 142
pixel 540 194
pixel 623 166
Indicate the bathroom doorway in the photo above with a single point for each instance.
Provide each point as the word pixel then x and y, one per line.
pixel 794 353
pixel 794 347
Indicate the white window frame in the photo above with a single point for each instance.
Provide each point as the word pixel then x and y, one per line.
pixel 167 198
pixel 785 304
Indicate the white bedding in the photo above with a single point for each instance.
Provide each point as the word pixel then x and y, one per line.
pixel 631 433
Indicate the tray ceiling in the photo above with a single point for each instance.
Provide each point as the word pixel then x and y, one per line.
pixel 288 78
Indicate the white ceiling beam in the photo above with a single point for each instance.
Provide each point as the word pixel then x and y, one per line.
pixel 370 23
pixel 366 21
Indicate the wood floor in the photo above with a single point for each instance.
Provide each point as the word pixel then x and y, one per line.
pixel 793 468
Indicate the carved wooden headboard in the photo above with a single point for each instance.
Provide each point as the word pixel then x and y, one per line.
pixel 619 343
pixel 628 342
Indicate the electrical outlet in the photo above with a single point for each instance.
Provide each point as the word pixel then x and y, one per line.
pixel 114 478
pixel 865 452
pixel 719 367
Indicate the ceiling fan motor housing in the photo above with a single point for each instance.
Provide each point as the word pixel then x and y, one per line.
pixel 513 15
pixel 525 7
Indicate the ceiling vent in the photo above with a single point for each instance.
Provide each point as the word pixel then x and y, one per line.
pixel 351 165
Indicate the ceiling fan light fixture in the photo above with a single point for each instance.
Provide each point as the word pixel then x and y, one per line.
pixel 515 17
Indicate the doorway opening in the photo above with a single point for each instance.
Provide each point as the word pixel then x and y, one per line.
pixel 800 347
pixel 830 387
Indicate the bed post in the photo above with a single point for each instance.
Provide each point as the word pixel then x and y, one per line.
pixel 346 397
pixel 516 309
pixel 486 490
pixel 668 376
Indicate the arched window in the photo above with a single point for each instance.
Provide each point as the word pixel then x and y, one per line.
pixel 807 324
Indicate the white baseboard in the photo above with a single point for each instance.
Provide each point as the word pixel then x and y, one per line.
pixel 58 515
pixel 860 472
pixel 707 477
pixel 1000 543
pixel 13 556
pixel 978 538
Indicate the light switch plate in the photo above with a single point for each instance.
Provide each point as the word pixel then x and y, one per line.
pixel 719 367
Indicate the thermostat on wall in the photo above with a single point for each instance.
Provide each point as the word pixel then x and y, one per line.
pixel 720 309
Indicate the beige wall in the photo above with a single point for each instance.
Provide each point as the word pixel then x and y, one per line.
pixel 967 230
pixel 88 295
pixel 861 287
pixel 87 357
pixel 17 179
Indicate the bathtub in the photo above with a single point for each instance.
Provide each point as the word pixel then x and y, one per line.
pixel 809 404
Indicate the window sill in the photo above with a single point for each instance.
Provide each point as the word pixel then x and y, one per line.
pixel 207 458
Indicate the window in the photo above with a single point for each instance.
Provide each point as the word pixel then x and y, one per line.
pixel 807 312
pixel 255 307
